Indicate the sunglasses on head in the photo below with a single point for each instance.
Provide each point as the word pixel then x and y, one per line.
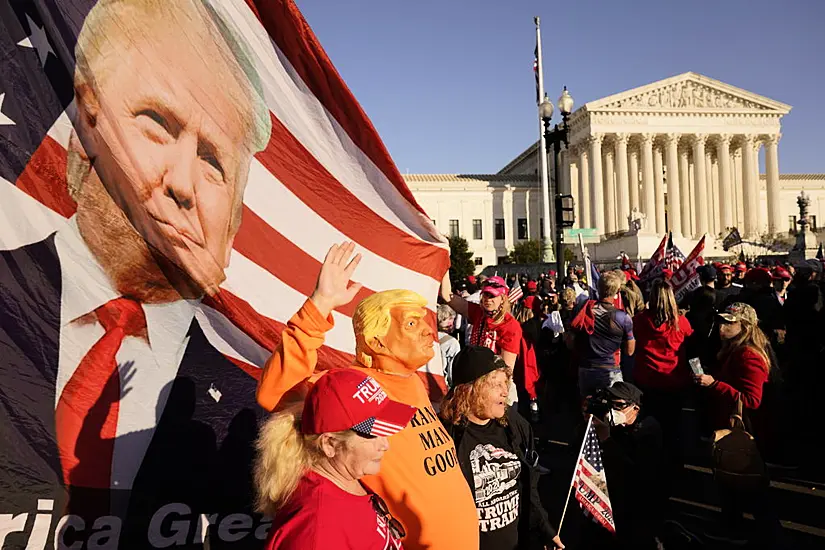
pixel 383 511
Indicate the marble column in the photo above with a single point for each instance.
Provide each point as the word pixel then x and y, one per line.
pixel 674 205
pixel 510 224
pixel 573 185
pixel 659 189
pixel 761 213
pixel 750 187
pixel 622 188
pixel 737 187
pixel 648 193
pixel 584 187
pixel 684 191
pixel 703 206
pixel 596 183
pixel 633 179
pixel 712 171
pixel 725 197
pixel 772 182
pixel 610 193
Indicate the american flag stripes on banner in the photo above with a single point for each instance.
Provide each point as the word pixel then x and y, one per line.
pixel 590 481
pixel 653 267
pixel 686 277
pixel 204 155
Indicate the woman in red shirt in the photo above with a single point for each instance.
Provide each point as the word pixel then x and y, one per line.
pixel 745 365
pixel 661 369
pixel 308 470
pixel 494 327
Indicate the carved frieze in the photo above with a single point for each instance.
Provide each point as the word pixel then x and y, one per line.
pixel 685 95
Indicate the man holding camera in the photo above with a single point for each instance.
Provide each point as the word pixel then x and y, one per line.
pixel 632 453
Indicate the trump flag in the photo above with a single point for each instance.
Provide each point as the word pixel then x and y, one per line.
pixel 172 174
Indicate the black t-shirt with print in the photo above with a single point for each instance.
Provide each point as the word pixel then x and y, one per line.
pixel 493 471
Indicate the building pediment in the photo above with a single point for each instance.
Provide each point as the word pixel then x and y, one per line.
pixel 688 92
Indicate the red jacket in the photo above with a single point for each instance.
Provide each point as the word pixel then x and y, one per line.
pixel 743 373
pixel 660 353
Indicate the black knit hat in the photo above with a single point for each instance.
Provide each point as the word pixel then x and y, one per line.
pixel 473 362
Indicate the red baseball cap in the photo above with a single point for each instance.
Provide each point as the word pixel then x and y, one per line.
pixel 741 267
pixel 347 399
pixel 471 279
pixel 781 273
pixel 724 267
pixel 495 286
pixel 668 273
pixel 531 285
pixel 758 275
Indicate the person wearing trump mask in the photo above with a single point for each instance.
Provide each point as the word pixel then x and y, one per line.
pixel 420 479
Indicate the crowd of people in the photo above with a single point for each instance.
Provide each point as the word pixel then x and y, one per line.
pixel 360 457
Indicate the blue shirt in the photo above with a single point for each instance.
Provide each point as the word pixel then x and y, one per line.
pixel 613 327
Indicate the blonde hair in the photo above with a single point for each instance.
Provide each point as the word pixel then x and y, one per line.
pixel 284 456
pixel 609 284
pixel 751 336
pixel 113 26
pixel 465 399
pixel 663 304
pixel 373 318
pixel 568 297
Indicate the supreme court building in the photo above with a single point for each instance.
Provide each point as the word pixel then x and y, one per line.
pixel 679 155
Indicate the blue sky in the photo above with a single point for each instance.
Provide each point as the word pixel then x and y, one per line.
pixel 449 84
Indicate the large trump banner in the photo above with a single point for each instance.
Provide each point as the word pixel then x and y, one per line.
pixel 172 173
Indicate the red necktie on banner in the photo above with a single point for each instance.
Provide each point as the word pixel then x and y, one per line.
pixel 91 398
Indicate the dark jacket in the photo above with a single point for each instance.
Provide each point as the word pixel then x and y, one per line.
pixel 520 435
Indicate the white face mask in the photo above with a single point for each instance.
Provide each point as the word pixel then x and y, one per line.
pixel 617 418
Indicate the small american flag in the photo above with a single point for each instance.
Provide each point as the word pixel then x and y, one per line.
pixel 673 256
pixel 516 293
pixel 590 481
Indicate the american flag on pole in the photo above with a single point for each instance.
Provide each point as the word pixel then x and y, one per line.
pixel 590 481
pixel 515 293
pixel 673 256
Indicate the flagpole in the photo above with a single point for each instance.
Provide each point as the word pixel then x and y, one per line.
pixel 545 177
pixel 575 469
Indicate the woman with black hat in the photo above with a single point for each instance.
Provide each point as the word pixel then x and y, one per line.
pixel 496 454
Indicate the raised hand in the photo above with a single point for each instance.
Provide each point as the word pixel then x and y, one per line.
pixel 333 288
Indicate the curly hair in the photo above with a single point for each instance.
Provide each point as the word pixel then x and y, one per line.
pixel 465 399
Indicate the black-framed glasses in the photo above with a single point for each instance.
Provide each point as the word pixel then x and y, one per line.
pixel 383 511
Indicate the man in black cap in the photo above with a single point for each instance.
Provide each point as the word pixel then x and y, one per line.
pixel 633 457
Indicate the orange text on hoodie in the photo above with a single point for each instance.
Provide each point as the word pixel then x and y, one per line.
pixel 420 478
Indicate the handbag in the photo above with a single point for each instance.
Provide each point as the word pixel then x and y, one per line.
pixel 737 462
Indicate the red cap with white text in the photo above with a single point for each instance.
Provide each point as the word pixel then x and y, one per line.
pixel 347 399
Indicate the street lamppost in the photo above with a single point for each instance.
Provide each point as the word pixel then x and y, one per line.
pixel 554 136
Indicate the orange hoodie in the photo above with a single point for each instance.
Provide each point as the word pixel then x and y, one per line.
pixel 420 478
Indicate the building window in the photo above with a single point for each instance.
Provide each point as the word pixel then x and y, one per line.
pixel 478 261
pixel 453 228
pixel 499 229
pixel 541 228
pixel 501 260
pixel 812 222
pixel 792 223
pixel 477 234
pixel 522 228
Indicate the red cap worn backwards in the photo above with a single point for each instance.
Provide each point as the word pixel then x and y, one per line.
pixel 347 399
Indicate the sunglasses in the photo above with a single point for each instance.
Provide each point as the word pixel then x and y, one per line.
pixel 620 405
pixel 380 507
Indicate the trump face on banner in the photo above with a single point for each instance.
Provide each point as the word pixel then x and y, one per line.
pixel 123 415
